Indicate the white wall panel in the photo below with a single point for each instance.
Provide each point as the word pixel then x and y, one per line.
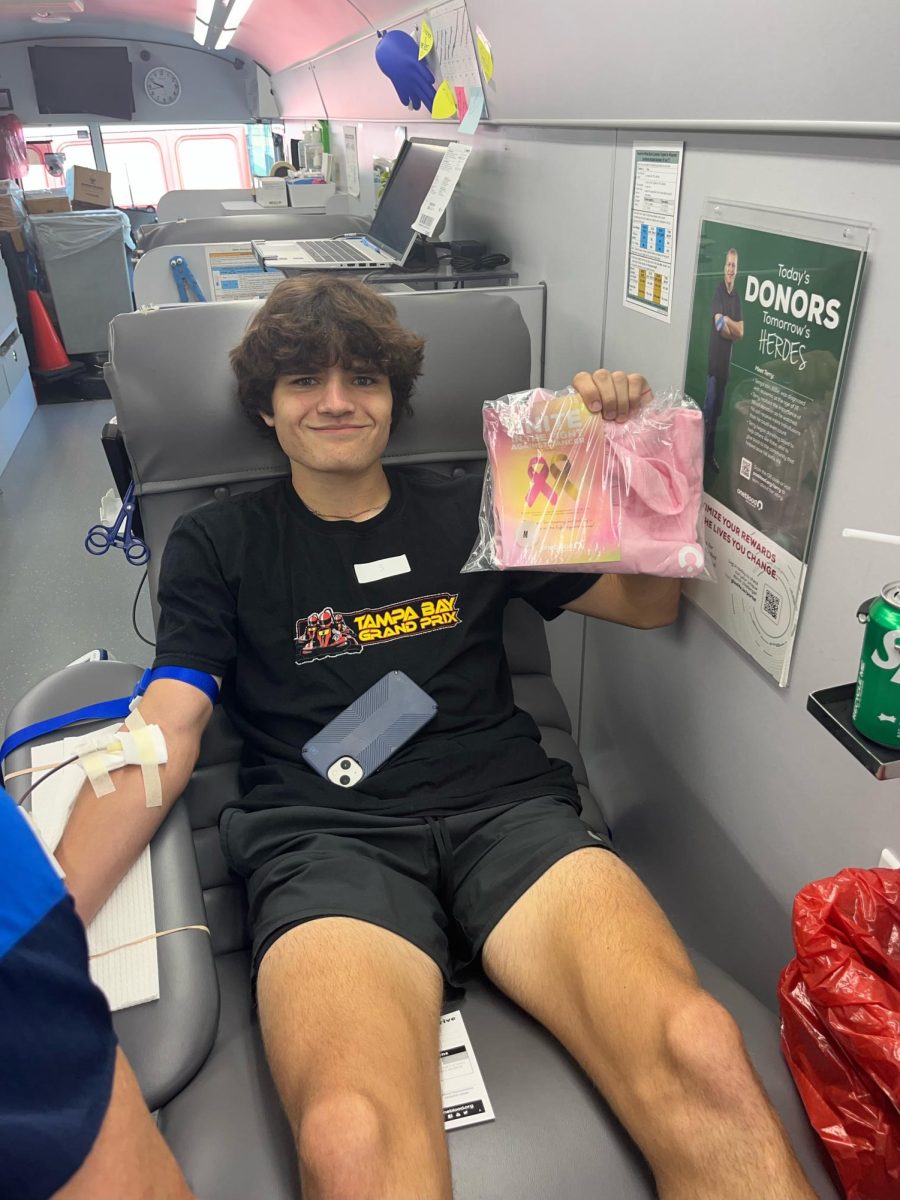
pixel 809 60
pixel 297 94
pixel 805 60
pixel 352 86
pixel 721 788
pixel 545 201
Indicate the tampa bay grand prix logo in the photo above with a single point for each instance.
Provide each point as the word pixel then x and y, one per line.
pixel 329 633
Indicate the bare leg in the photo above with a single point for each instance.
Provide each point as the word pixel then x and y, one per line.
pixel 349 1016
pixel 588 952
pixel 129 1160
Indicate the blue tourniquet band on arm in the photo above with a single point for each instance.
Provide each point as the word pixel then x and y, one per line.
pixel 109 710
pixel 57 1046
pixel 198 679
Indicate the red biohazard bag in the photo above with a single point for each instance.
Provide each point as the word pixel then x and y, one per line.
pixel 840 1024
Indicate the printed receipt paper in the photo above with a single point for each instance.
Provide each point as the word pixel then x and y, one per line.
pixel 464 1095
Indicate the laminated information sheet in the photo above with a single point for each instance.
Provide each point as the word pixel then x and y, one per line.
pixel 236 275
pixel 652 229
pixel 463 1092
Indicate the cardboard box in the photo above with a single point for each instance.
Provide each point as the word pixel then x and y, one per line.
pixel 18 235
pixel 11 210
pixel 270 192
pixel 90 188
pixel 12 218
pixel 39 206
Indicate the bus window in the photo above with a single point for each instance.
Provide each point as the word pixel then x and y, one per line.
pixel 146 161
pixel 214 159
pixel 137 169
pixel 42 140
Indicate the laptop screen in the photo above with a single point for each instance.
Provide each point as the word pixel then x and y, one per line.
pixel 412 176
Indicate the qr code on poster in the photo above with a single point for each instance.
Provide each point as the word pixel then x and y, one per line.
pixel 771 604
pixel 746 468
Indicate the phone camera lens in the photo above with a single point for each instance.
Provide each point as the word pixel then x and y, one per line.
pixel 345 765
pixel 345 781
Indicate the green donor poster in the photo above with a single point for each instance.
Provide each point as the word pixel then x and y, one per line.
pixel 770 327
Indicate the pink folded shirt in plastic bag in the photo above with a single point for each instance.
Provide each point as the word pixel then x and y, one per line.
pixel 566 490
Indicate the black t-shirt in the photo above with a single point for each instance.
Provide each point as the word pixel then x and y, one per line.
pixel 257 589
pixel 729 305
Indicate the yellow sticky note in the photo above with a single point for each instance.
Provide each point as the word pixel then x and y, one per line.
pixel 426 40
pixel 444 102
pixel 485 57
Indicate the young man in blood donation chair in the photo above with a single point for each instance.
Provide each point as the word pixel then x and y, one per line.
pixel 466 845
pixel 73 1123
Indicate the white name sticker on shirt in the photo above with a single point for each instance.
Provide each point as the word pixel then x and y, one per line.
pixel 383 568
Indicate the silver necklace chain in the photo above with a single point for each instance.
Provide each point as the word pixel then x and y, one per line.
pixel 374 509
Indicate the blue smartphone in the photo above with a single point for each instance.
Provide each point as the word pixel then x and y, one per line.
pixel 366 734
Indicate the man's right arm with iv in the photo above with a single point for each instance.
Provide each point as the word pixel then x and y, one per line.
pixel 106 834
pixel 197 628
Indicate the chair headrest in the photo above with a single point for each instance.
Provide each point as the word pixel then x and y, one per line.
pixel 176 402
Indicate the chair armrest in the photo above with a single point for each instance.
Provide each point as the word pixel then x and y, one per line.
pixel 167 1040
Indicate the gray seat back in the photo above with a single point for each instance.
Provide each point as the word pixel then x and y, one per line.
pixel 281 224
pixel 187 438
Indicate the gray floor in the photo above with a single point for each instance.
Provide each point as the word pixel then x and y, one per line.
pixel 56 600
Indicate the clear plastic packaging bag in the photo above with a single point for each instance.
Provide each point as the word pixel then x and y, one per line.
pixel 62 234
pixel 566 490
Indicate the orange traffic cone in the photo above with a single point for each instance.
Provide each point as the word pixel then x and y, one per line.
pixel 51 354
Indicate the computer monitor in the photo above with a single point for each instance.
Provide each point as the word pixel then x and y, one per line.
pixel 407 186
pixel 83 79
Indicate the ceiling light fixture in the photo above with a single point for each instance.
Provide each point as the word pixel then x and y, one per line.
pixel 46 12
pixel 217 21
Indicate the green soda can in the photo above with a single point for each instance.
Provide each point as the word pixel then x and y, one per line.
pixel 876 708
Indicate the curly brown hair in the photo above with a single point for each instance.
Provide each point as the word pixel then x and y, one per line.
pixel 311 322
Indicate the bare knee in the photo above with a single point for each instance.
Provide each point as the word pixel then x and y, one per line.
pixel 703 1046
pixel 342 1146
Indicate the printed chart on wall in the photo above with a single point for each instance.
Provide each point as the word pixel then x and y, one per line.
pixel 775 297
pixel 652 229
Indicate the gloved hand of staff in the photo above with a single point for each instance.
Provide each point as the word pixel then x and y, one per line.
pixel 397 55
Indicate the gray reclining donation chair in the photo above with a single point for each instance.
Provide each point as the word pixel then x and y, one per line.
pixel 197 1051
pixel 275 226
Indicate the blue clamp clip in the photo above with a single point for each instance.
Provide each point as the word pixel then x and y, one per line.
pixel 101 538
pixel 184 280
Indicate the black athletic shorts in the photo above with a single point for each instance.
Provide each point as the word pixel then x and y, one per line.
pixel 442 883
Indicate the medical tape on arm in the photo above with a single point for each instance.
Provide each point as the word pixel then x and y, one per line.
pixel 99 753
pixel 147 748
pixel 139 744
pixel 96 766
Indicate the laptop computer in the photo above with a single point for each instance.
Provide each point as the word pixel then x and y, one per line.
pixel 390 237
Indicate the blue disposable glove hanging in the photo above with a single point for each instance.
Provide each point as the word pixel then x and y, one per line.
pixel 397 55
